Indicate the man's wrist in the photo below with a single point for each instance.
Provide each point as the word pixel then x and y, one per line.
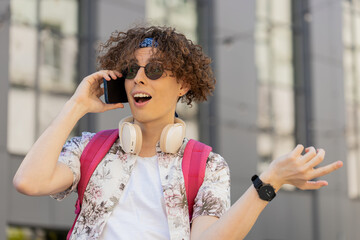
pixel 75 108
pixel 265 191
pixel 269 178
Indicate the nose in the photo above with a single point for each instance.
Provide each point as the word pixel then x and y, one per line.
pixel 140 77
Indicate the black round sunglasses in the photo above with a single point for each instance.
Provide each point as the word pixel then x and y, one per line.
pixel 153 70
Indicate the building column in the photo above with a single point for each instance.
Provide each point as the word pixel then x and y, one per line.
pixel 208 110
pixel 4 88
pixel 87 55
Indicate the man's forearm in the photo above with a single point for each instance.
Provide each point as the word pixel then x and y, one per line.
pixel 239 219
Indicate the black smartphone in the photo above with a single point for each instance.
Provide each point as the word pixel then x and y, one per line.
pixel 114 90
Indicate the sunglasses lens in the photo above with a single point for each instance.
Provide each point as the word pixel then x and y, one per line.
pixel 132 71
pixel 154 70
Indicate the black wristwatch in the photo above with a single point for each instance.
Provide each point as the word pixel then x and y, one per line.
pixel 266 191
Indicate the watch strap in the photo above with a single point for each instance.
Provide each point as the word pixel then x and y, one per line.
pixel 257 182
pixel 266 191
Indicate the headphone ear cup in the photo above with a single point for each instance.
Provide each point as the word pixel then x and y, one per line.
pixel 163 137
pixel 172 137
pixel 130 137
pixel 138 142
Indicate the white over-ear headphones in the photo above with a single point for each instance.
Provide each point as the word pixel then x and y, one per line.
pixel 171 137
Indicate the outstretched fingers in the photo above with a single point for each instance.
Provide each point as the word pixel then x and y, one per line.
pixel 312 162
pixel 303 168
pixel 310 153
pixel 322 171
pixel 297 150
pixel 313 185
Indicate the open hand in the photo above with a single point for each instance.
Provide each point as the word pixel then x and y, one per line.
pixel 299 170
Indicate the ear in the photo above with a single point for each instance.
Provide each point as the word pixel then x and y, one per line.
pixel 184 88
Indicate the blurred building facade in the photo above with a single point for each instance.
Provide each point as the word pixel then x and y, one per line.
pixel 287 72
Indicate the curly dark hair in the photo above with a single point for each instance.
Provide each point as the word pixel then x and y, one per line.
pixel 181 56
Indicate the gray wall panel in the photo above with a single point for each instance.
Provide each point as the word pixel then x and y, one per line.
pixel 328 95
pixel 118 15
pixel 329 118
pixel 326 29
pixel 27 210
pixel 115 15
pixel 274 222
pixel 236 83
pixel 240 153
pixel 330 223
pixel 235 16
pixel 4 86
pixel 236 90
pixel 62 213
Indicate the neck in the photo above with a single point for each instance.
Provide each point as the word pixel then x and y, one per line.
pixel 151 132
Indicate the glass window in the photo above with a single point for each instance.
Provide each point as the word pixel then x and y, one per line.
pixel 23 41
pixel 27 233
pixel 21 120
pixel 183 16
pixel 49 106
pixel 274 62
pixel 351 40
pixel 42 68
pixel 179 13
pixel 59 46
pixel 23 12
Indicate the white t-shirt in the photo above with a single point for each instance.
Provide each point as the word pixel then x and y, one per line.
pixel 140 213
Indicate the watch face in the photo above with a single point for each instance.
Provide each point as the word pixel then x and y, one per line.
pixel 267 192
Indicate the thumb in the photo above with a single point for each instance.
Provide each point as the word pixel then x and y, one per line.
pixel 112 106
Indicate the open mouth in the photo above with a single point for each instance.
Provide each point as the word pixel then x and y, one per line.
pixel 141 97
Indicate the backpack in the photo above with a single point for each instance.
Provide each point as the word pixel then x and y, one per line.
pixel 193 166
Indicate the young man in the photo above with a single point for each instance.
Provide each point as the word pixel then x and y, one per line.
pixel 140 194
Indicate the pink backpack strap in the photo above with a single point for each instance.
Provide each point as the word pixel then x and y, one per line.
pixel 92 155
pixel 193 167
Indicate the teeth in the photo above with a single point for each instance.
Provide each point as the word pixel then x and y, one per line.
pixel 141 95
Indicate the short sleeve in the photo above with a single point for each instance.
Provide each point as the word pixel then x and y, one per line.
pixel 213 198
pixel 70 156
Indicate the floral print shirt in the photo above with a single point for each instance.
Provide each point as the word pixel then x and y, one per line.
pixel 113 172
